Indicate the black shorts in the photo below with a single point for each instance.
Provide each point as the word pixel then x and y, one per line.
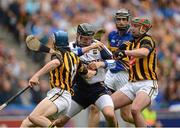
pixel 87 94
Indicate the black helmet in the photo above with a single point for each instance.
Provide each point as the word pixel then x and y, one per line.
pixel 121 13
pixel 85 29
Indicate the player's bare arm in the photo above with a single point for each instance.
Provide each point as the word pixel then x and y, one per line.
pixel 102 64
pixel 141 52
pixel 48 67
pixel 96 65
pixel 90 74
pixel 97 45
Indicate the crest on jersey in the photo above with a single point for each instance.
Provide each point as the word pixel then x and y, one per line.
pixel 95 51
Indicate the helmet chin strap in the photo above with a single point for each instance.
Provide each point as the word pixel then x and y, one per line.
pixel 141 31
pixel 78 40
pixel 122 29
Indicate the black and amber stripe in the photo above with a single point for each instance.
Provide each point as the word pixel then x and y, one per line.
pixel 144 68
pixel 63 75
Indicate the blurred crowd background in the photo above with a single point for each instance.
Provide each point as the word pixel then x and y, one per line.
pixel 42 17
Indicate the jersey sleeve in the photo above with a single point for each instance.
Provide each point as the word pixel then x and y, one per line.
pixel 59 57
pixel 77 50
pixel 148 43
pixel 109 43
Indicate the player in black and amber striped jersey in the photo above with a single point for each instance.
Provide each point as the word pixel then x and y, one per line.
pixel 62 67
pixel 143 68
pixel 63 75
pixel 142 86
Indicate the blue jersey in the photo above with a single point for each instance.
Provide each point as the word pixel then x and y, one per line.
pixel 118 42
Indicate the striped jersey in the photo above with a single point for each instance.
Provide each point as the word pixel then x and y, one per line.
pixel 143 68
pixel 63 75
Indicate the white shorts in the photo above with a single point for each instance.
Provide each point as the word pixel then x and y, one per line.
pixel 101 102
pixel 61 98
pixel 150 87
pixel 104 101
pixel 115 81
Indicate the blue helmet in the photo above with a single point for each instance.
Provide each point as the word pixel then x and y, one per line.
pixel 61 39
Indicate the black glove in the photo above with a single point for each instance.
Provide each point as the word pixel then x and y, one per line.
pixel 119 54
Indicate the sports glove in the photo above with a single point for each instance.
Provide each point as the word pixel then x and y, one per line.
pixel 119 54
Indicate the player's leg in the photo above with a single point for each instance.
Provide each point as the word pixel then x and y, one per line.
pixel 57 101
pixel 26 123
pixel 61 121
pixel 147 91
pixel 140 102
pixel 126 114
pixel 105 104
pixel 40 110
pixel 94 116
pixel 61 99
pixel 94 113
pixel 122 97
pixel 121 80
pixel 72 111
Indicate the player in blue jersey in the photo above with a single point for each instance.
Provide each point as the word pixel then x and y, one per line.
pixel 119 40
pixel 117 76
pixel 89 91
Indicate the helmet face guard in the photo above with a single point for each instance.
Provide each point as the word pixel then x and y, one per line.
pixel 122 19
pixel 85 33
pixel 143 24
pixel 85 29
pixel 84 41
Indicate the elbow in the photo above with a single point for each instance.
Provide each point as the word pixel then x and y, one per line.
pixel 55 63
pixel 144 55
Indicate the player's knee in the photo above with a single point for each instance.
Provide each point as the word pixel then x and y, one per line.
pixel 109 115
pixel 62 121
pixel 94 109
pixel 126 116
pixel 32 118
pixel 25 123
pixel 135 110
